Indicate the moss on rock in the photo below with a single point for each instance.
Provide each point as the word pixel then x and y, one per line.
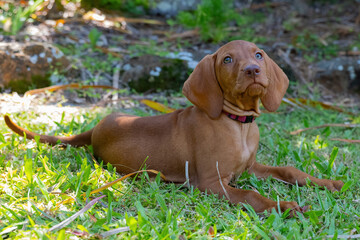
pixel 23 85
pixel 171 76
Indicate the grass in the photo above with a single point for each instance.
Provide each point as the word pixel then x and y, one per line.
pixel 313 48
pixel 40 186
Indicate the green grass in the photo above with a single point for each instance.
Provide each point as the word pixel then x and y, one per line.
pixel 31 174
pixel 312 48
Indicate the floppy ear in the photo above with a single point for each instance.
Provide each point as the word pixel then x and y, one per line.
pixel 278 83
pixel 202 88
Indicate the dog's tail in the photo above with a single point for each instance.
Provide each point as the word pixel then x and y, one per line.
pixel 76 140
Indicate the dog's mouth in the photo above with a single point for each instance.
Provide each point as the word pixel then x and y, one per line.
pixel 255 89
pixel 256 83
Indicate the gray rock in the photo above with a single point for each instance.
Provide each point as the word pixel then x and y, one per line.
pixel 170 8
pixel 21 63
pixel 150 73
pixel 341 74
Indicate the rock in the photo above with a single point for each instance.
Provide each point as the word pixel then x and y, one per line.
pixel 149 73
pixel 170 8
pixel 341 74
pixel 23 65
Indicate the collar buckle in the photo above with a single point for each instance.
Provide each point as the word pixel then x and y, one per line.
pixel 249 119
pixel 242 119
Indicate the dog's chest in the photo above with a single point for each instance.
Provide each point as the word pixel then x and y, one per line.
pixel 245 144
pixel 243 151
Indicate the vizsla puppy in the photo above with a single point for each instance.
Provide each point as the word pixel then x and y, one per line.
pixel 209 143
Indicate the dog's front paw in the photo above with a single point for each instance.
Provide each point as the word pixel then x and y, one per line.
pixel 290 205
pixel 294 208
pixel 334 185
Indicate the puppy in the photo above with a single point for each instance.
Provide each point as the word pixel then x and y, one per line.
pixel 206 144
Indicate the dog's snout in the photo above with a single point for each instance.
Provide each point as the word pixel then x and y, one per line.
pixel 252 70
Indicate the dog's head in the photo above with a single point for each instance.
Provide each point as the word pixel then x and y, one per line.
pixel 241 73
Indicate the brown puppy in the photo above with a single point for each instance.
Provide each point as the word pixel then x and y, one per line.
pixel 209 143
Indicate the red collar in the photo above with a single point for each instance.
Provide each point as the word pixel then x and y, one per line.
pixel 242 119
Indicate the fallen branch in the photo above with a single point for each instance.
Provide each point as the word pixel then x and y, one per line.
pixel 66 86
pixel 345 140
pixel 325 125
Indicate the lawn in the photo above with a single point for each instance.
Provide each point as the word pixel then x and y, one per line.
pixel 41 186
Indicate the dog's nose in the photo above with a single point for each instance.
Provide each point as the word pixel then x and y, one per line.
pixel 252 70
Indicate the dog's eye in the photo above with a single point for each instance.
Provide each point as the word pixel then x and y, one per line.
pixel 227 60
pixel 258 55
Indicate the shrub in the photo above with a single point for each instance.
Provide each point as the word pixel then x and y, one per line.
pixel 135 7
pixel 13 16
pixel 214 19
pixel 211 17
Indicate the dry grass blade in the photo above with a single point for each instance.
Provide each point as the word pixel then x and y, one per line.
pixel 122 30
pixel 311 103
pixel 220 180
pixel 266 5
pixel 123 178
pixel 137 20
pixel 108 51
pixel 187 174
pixel 66 86
pixel 114 231
pixel 292 103
pixel 349 53
pixel 157 106
pixel 96 15
pixel 69 199
pixel 345 140
pixel 73 217
pixel 186 34
pixel 79 233
pixel 325 125
pixel 8 230
pixel 356 236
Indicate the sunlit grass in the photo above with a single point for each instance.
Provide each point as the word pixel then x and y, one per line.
pixel 41 186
